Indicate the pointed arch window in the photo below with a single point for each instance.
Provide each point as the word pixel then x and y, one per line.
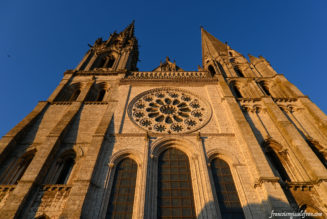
pixel 60 172
pixel 211 70
pixel 237 92
pixel 277 164
pixel 123 190
pixel 265 89
pixel 229 203
pixel 75 95
pixel 110 62
pixel 175 193
pixel 86 62
pixel 101 95
pixel 16 170
pixel 100 62
pixel 318 150
pixel 66 169
pixel 238 71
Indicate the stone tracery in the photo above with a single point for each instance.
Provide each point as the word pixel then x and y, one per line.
pixel 169 110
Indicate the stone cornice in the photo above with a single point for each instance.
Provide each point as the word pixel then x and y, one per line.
pixel 169 75
pixel 280 100
pixel 262 180
pixel 100 71
pixel 155 135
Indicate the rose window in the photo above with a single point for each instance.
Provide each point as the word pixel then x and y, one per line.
pixel 169 110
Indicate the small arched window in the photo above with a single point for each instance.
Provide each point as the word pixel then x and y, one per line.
pixel 101 95
pixel 123 190
pixel 315 148
pixel 100 62
pixel 175 193
pixel 61 170
pixel 266 90
pixel 278 166
pixel 75 95
pixel 211 70
pixel 228 200
pixel 238 71
pixel 237 92
pixel 16 170
pixel 86 62
pixel 111 62
pixel 67 166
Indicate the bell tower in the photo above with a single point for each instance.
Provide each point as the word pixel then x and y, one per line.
pixel 119 52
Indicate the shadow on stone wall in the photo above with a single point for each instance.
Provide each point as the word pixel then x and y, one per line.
pixel 266 209
pixel 94 197
pixel 35 201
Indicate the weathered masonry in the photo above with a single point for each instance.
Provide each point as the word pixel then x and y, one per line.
pixel 234 139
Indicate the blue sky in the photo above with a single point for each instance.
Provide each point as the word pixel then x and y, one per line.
pixel 39 40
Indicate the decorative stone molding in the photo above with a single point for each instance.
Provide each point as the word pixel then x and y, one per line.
pixel 100 71
pixel 61 102
pixel 253 105
pixel 5 190
pixel 284 100
pixel 169 110
pixel 50 199
pixel 96 102
pixel 262 180
pixel 320 180
pixel 169 75
pixel 300 186
pixel 290 107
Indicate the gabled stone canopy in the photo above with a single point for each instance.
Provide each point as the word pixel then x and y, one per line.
pixel 168 66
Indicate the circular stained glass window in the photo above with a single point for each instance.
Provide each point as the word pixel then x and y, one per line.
pixel 169 110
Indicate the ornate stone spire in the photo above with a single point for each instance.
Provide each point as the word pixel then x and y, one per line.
pixel 129 30
pixel 211 47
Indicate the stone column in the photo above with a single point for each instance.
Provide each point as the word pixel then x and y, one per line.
pixel 204 179
pixel 85 91
pixel 91 62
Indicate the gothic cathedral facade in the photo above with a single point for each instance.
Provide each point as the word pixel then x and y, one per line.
pixel 234 139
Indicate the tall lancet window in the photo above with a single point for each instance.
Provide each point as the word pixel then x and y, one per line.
pixel 123 190
pixel 238 71
pixel 211 70
pixel 101 95
pixel 61 170
pixel 75 95
pixel 15 171
pixel 229 203
pixel 175 193
pixel 278 163
pixel 110 62
pixel 66 168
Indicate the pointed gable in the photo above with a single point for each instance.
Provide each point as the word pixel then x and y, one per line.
pixel 212 47
pixel 168 66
